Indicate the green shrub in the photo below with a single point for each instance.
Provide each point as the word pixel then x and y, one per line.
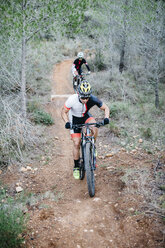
pixel 114 110
pixel 98 62
pixel 33 106
pixel 39 116
pixel 119 110
pixel 12 221
pixel 12 225
pixel 114 129
pixel 146 132
pixel 163 205
pixel 42 117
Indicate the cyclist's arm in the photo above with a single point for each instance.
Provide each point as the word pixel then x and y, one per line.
pixel 87 66
pixel 64 114
pixel 74 71
pixel 106 110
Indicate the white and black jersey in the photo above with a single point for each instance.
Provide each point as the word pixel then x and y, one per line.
pixel 79 112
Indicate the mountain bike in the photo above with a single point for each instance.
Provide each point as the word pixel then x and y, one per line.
pixel 88 154
pixel 78 79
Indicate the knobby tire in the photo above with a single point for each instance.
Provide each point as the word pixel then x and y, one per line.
pixel 74 86
pixel 89 171
pixel 82 168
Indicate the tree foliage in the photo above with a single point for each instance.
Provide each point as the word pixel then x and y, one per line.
pixel 126 35
pixel 22 21
pixel 132 35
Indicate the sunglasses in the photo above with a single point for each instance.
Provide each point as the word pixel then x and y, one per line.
pixel 84 98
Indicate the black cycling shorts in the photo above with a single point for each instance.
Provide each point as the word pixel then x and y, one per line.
pixel 80 120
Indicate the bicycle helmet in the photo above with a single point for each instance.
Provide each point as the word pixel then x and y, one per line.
pixel 80 55
pixel 84 89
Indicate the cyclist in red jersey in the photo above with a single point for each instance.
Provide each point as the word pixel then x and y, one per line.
pixel 76 67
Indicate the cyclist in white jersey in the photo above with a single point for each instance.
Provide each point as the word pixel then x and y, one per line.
pixel 76 111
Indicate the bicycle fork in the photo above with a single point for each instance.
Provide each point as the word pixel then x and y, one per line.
pixel 93 154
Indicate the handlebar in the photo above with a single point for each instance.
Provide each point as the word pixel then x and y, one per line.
pixel 96 124
pixel 84 74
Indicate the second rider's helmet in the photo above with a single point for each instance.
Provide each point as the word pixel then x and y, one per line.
pixel 80 55
pixel 84 89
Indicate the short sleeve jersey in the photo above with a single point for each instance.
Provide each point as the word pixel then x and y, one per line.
pixel 78 63
pixel 77 108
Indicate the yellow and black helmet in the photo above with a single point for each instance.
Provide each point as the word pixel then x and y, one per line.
pixel 84 89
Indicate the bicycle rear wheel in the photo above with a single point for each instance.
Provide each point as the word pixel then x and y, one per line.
pixel 89 169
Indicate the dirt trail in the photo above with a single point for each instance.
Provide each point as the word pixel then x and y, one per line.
pixel 67 217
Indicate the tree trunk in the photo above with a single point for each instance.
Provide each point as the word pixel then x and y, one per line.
pixel 122 54
pixel 158 33
pixel 156 94
pixel 121 65
pixel 23 66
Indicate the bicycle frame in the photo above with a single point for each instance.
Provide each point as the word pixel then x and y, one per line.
pixel 86 131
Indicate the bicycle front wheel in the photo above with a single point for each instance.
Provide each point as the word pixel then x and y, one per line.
pixel 82 168
pixel 75 85
pixel 89 169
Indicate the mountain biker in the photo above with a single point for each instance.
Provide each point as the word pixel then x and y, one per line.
pixel 76 111
pixel 76 67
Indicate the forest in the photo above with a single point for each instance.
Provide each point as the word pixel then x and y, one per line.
pixel 125 39
pixel 124 43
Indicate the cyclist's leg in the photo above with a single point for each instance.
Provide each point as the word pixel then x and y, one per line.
pixel 76 138
pixel 91 119
pixel 74 73
pixel 79 71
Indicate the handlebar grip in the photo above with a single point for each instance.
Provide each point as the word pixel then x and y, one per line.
pixel 99 124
